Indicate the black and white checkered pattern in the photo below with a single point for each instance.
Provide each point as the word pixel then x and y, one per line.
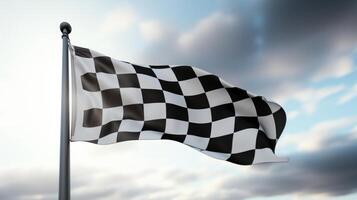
pixel 116 101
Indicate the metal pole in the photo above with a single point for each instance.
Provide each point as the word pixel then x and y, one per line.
pixel 64 172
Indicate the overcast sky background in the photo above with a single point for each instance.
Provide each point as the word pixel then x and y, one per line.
pixel 302 54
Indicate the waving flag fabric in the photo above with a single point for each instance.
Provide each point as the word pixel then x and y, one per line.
pixel 115 101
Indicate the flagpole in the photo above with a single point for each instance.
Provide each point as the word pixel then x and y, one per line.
pixel 64 172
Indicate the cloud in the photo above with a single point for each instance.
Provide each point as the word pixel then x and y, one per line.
pixel 154 31
pixel 337 69
pixel 95 184
pixel 309 98
pixel 209 43
pixel 293 114
pixel 316 137
pixel 307 19
pixel 264 47
pixel 119 20
pixel 19 184
pixel 208 31
pixel 117 186
pixel 327 172
pixel 354 129
pixel 349 95
pixel 315 40
pixel 324 172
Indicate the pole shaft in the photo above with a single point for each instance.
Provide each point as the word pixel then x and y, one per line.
pixel 64 172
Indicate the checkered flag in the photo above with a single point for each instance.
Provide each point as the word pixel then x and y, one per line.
pixel 115 101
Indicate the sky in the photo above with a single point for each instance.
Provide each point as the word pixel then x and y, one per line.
pixel 299 53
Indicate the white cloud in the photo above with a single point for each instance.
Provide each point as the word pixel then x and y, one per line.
pixel 354 129
pixel 119 20
pixel 313 138
pixel 206 31
pixel 312 97
pixel 337 69
pixel 293 114
pixel 154 31
pixel 308 97
pixel 349 95
pixel 354 132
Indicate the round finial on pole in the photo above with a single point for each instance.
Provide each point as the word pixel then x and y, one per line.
pixel 65 28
